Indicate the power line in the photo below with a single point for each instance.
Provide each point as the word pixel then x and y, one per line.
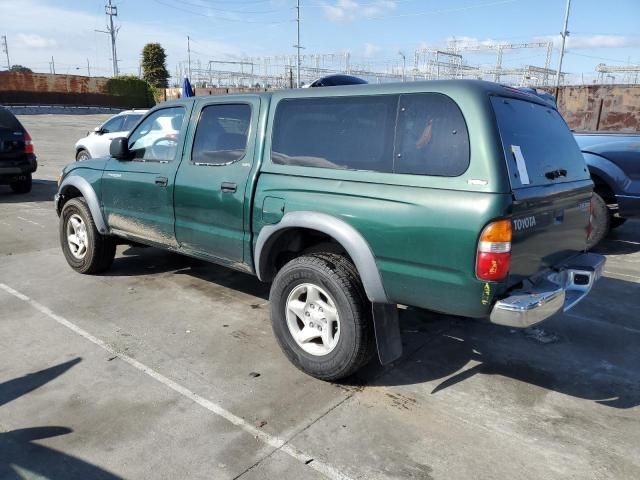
pixel 217 17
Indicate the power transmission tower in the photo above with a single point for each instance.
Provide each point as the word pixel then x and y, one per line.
pixel 112 11
pixel 564 33
pixel 5 49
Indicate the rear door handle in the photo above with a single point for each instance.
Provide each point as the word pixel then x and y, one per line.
pixel 228 187
pixel 162 181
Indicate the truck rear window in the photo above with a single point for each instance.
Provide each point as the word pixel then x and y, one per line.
pixel 538 146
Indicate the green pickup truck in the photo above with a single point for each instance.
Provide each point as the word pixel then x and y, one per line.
pixel 462 197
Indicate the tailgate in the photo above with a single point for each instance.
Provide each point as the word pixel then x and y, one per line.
pixel 11 136
pixel 549 226
pixel 550 185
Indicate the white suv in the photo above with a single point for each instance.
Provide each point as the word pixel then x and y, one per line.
pixel 96 144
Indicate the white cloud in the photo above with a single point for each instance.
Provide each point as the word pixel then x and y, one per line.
pixel 348 10
pixel 370 50
pixel 593 41
pixel 36 41
pixel 71 47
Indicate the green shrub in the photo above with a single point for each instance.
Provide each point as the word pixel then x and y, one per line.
pixel 135 93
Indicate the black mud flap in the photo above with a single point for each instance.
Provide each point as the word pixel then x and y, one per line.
pixel 387 328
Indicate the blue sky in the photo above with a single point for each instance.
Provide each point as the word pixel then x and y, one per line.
pixel 373 31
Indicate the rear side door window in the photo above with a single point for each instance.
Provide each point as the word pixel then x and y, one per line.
pixel 113 125
pixel 348 133
pixel 156 138
pixel 431 136
pixel 221 135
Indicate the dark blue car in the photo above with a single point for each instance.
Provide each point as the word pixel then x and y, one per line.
pixel 614 163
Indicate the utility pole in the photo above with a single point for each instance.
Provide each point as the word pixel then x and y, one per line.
pixel 564 34
pixel 88 69
pixel 5 49
pixel 52 65
pixel 297 45
pixel 404 65
pixel 189 55
pixel 112 11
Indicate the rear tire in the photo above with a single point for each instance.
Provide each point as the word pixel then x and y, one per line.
pixel 326 283
pixel 85 249
pixel 82 155
pixel 600 221
pixel 22 186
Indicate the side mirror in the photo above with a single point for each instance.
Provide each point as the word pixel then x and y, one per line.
pixel 98 131
pixel 119 148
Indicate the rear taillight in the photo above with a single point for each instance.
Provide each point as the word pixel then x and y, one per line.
pixel 28 144
pixel 494 251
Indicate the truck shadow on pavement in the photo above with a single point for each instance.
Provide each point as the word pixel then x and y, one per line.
pixel 150 261
pixel 21 457
pixel 593 358
pixel 623 240
pixel 42 191
pixel 589 353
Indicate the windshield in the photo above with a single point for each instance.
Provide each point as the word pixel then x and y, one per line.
pixel 538 145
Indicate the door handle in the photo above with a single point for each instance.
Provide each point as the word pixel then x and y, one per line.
pixel 228 187
pixel 162 181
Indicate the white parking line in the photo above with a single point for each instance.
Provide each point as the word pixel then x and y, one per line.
pixel 613 274
pixel 31 221
pixel 271 440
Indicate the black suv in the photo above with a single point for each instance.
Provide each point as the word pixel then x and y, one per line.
pixel 17 160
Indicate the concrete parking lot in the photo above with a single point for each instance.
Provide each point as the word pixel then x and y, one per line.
pixel 166 367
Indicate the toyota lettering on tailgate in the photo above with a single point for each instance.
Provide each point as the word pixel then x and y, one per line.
pixel 524 223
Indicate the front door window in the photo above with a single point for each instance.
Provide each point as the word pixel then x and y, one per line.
pixel 156 138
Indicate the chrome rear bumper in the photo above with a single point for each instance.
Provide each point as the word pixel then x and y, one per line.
pixel 561 289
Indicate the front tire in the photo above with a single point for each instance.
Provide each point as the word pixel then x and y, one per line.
pixel 320 316
pixel 85 249
pixel 22 186
pixel 82 155
pixel 600 221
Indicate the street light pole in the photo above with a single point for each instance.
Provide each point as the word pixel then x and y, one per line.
pixel 298 47
pixel 564 34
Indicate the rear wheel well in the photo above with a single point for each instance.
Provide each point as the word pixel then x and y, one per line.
pixel 603 189
pixel 290 243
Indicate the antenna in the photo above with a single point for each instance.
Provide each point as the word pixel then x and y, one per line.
pixel 189 54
